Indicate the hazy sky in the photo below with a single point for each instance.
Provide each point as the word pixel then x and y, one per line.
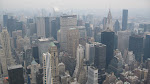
pixel 83 4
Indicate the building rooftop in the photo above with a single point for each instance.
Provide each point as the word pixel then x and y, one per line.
pixel 34 62
pixel 14 67
pixel 52 44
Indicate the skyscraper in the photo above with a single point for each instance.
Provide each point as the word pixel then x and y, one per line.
pixel 117 26
pixel 147 47
pixel 92 75
pixel 100 56
pixel 79 62
pixel 109 21
pixel 47 27
pixel 16 74
pixel 123 40
pixel 47 69
pixel 124 19
pixel 136 45
pixel 40 26
pixel 72 41
pixel 5 41
pixel 5 18
pixel 54 63
pixel 107 38
pixel 66 22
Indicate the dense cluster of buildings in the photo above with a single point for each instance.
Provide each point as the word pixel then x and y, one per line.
pixel 71 49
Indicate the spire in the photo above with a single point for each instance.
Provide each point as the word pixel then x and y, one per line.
pixel 109 21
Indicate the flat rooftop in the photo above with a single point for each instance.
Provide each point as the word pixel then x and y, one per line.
pixel 14 67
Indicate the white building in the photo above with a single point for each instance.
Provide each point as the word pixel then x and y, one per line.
pixel 92 75
pixel 79 60
pixel 47 77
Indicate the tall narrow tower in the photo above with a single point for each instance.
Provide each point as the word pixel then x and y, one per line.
pixel 54 63
pixel 109 21
pixel 7 60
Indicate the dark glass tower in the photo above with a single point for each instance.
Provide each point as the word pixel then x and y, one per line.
pixel 124 19
pixel 147 47
pixel 136 45
pixel 35 53
pixel 116 26
pixel 5 18
pixel 47 27
pixel 107 38
pixel 15 74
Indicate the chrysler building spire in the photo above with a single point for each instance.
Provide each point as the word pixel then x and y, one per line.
pixel 109 21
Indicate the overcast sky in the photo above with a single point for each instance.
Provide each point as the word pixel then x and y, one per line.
pixel 79 4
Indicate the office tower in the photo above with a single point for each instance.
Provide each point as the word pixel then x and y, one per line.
pixel 100 56
pixel 88 27
pixel 43 46
pixel 96 32
pixel 147 47
pixel 109 21
pixel 5 18
pixel 136 45
pixel 54 29
pixel 92 75
pixel 116 64
pixel 0 28
pixel 15 74
pixel 104 23
pixel 124 19
pixel 34 68
pixel 90 53
pixel 3 62
pixel 54 63
pixel 35 53
pixel 5 41
pixel 72 41
pixel 66 22
pixel 47 69
pixel 28 56
pixel 117 26
pixel 107 38
pixel 40 26
pixel 79 61
pixel 13 24
pixel 39 76
pixel 123 40
pixel 48 30
pixel 148 75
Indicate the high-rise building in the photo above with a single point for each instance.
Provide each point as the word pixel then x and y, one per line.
pixel 107 38
pixel 147 47
pixel 104 23
pixel 54 63
pixel 123 40
pixel 8 59
pixel 148 75
pixel 100 56
pixel 72 41
pixel 92 75
pixel 40 26
pixel 47 69
pixel 5 18
pixel 109 21
pixel 90 53
pixel 15 74
pixel 47 27
pixel 79 62
pixel 43 46
pixel 66 22
pixel 116 26
pixel 136 45
pixel 28 56
pixel 35 53
pixel 124 19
